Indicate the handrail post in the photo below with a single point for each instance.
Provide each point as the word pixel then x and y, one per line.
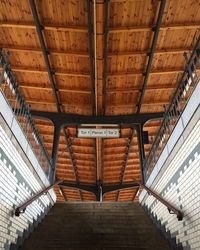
pixel 21 209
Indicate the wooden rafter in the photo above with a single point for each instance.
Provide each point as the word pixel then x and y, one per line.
pixel 84 29
pixel 85 53
pixel 86 74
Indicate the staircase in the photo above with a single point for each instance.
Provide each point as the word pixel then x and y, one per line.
pixel 96 226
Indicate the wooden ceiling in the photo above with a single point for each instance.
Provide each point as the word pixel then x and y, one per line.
pixel 128 44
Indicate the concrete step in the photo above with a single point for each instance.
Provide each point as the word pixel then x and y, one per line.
pixel 96 226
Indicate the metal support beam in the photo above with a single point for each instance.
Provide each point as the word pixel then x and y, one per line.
pixel 134 195
pixel 99 196
pixel 69 148
pixel 95 159
pixel 105 54
pixel 94 189
pixel 153 46
pixel 98 190
pixel 102 160
pixel 62 120
pixel 4 65
pixel 63 194
pixel 39 28
pixel 91 54
pixel 126 161
pixel 111 188
pixel 188 67
pixel 84 187
pixel 141 149
pixel 54 154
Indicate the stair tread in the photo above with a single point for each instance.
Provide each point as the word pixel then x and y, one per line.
pixel 96 226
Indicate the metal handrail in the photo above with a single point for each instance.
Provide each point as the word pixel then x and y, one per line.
pixel 186 83
pixel 21 209
pixel 163 201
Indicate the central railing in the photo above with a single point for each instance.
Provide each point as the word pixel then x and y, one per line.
pixel 186 84
pixel 21 111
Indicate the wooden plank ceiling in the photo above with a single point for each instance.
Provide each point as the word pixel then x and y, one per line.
pixel 129 39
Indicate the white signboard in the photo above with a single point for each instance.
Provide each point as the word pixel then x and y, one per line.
pixel 98 133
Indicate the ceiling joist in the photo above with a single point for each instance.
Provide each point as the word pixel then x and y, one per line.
pixel 84 29
pixel 85 53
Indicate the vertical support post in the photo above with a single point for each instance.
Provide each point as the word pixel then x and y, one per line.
pixel 4 65
pixel 96 161
pixel 99 192
pixel 63 193
pixel 2 76
pixel 139 129
pixel 102 160
pixel 134 195
pixel 91 54
pixel 189 68
pixel 56 138
pixel 105 48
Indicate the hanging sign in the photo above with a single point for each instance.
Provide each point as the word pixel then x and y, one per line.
pixel 98 133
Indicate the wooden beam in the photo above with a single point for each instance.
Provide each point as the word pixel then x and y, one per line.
pixel 54 27
pixel 44 71
pixel 152 103
pixel 161 103
pixel 180 26
pixel 50 51
pixel 84 29
pixel 122 1
pixel 88 92
pixel 86 54
pixel 35 87
pixel 145 52
pixel 154 72
pixel 149 88
pixel 86 74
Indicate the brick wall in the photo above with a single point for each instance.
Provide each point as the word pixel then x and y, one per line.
pixel 18 181
pixel 178 181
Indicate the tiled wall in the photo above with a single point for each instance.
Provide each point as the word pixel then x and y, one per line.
pixel 179 182
pixel 18 181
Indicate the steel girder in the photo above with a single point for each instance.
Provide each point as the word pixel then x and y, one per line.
pixel 139 129
pixel 98 190
pixel 91 54
pixel 151 55
pixel 126 160
pixel 61 119
pixel 105 54
pixel 39 29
